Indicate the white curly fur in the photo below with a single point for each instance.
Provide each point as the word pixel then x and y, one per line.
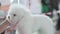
pixel 30 23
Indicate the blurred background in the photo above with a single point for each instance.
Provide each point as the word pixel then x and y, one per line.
pixel 50 8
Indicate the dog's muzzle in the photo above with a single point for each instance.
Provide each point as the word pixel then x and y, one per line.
pixel 8 17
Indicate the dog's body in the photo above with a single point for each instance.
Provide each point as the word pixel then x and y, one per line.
pixel 29 23
pixel 41 23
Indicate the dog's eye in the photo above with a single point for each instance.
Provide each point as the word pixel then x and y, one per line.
pixel 14 14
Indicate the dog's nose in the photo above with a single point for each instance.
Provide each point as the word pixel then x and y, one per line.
pixel 8 17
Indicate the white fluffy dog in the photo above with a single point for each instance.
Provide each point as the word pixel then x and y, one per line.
pixel 28 23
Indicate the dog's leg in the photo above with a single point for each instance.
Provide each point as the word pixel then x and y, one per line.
pixel 47 27
pixel 39 31
pixel 25 29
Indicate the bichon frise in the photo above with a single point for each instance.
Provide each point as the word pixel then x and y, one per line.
pixel 29 23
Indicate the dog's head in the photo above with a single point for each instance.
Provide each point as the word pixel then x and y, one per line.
pixel 16 12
